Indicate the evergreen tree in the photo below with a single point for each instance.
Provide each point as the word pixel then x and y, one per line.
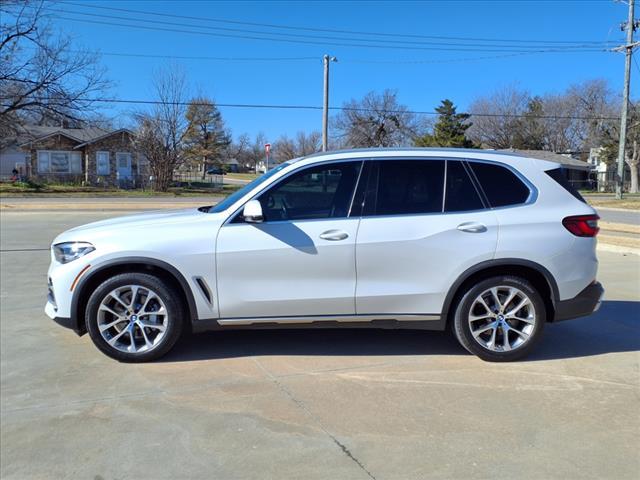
pixel 450 129
pixel 206 138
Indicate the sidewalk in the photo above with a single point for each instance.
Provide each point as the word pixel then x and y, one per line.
pixel 106 204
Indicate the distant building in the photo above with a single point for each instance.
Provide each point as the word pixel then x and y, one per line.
pixel 89 155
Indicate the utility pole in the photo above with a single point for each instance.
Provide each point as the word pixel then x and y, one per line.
pixel 326 59
pixel 630 26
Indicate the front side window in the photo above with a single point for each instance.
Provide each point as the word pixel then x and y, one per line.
pixel 461 194
pixel 324 191
pixel 405 187
pixel 234 197
pixel 501 186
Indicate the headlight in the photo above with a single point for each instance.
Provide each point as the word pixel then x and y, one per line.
pixel 70 251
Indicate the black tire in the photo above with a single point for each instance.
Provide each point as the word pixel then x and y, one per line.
pixel 172 303
pixel 462 329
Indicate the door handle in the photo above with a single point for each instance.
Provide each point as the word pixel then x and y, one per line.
pixel 472 227
pixel 334 235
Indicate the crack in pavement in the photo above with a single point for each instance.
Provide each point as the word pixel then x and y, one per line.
pixel 308 412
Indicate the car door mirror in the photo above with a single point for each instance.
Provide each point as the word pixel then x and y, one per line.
pixel 252 212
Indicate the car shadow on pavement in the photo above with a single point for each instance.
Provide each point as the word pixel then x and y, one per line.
pixel 614 328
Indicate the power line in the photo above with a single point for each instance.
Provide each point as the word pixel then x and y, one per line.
pixel 316 29
pixel 316 37
pixel 342 59
pixel 187 57
pixel 315 107
pixel 306 42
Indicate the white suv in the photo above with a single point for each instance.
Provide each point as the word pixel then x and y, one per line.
pixel 493 245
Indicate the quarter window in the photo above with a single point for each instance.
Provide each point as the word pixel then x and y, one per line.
pixel 500 185
pixel 405 187
pixel 461 194
pixel 319 192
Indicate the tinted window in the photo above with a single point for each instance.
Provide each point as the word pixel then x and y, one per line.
pixel 559 176
pixel 404 187
pixel 318 192
pixel 500 185
pixel 461 194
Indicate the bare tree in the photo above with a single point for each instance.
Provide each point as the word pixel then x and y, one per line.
pixel 610 141
pixel 304 144
pixel 308 144
pixel 496 123
pixel 161 131
pixel 378 120
pixel 249 153
pixel 43 79
pixel 570 121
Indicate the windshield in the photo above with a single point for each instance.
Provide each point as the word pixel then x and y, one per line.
pixel 234 197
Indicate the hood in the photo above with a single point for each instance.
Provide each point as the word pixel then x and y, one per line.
pixel 147 222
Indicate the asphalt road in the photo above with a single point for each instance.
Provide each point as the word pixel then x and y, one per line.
pixel 312 404
pixel 619 216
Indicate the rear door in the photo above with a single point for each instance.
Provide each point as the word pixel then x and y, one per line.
pixel 418 233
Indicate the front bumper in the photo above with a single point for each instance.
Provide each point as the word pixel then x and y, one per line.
pixel 583 304
pixel 50 310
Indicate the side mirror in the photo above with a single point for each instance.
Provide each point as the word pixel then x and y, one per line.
pixel 252 212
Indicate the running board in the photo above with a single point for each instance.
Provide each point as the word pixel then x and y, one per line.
pixel 328 318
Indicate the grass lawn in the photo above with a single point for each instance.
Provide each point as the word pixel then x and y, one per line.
pixel 243 176
pixel 627 202
pixel 53 190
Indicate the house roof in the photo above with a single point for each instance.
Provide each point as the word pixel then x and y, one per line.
pixel 563 159
pixel 104 135
pixel 31 133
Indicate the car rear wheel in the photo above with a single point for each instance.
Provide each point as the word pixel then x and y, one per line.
pixel 134 317
pixel 500 319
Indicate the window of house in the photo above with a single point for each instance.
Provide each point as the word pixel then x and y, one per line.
pixel 43 162
pixel 318 192
pixel 59 162
pixel 406 187
pixel 501 186
pixel 461 194
pixel 102 163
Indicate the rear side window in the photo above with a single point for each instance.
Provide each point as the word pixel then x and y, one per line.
pixel 404 187
pixel 461 194
pixel 559 176
pixel 501 186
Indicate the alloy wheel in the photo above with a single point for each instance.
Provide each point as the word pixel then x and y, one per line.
pixel 502 319
pixel 132 319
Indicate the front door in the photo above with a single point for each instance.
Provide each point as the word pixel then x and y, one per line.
pixel 124 165
pixel 301 260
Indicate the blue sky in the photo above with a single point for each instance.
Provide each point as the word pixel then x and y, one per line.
pixel 421 86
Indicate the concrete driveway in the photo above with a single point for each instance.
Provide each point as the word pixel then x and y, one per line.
pixel 312 404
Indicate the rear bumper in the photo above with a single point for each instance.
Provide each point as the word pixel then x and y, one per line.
pixel 583 304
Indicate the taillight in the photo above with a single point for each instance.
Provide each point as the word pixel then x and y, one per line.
pixel 582 225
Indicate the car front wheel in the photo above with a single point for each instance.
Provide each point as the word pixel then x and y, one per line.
pixel 500 319
pixel 134 317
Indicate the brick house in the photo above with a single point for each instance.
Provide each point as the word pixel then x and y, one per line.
pixel 90 155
